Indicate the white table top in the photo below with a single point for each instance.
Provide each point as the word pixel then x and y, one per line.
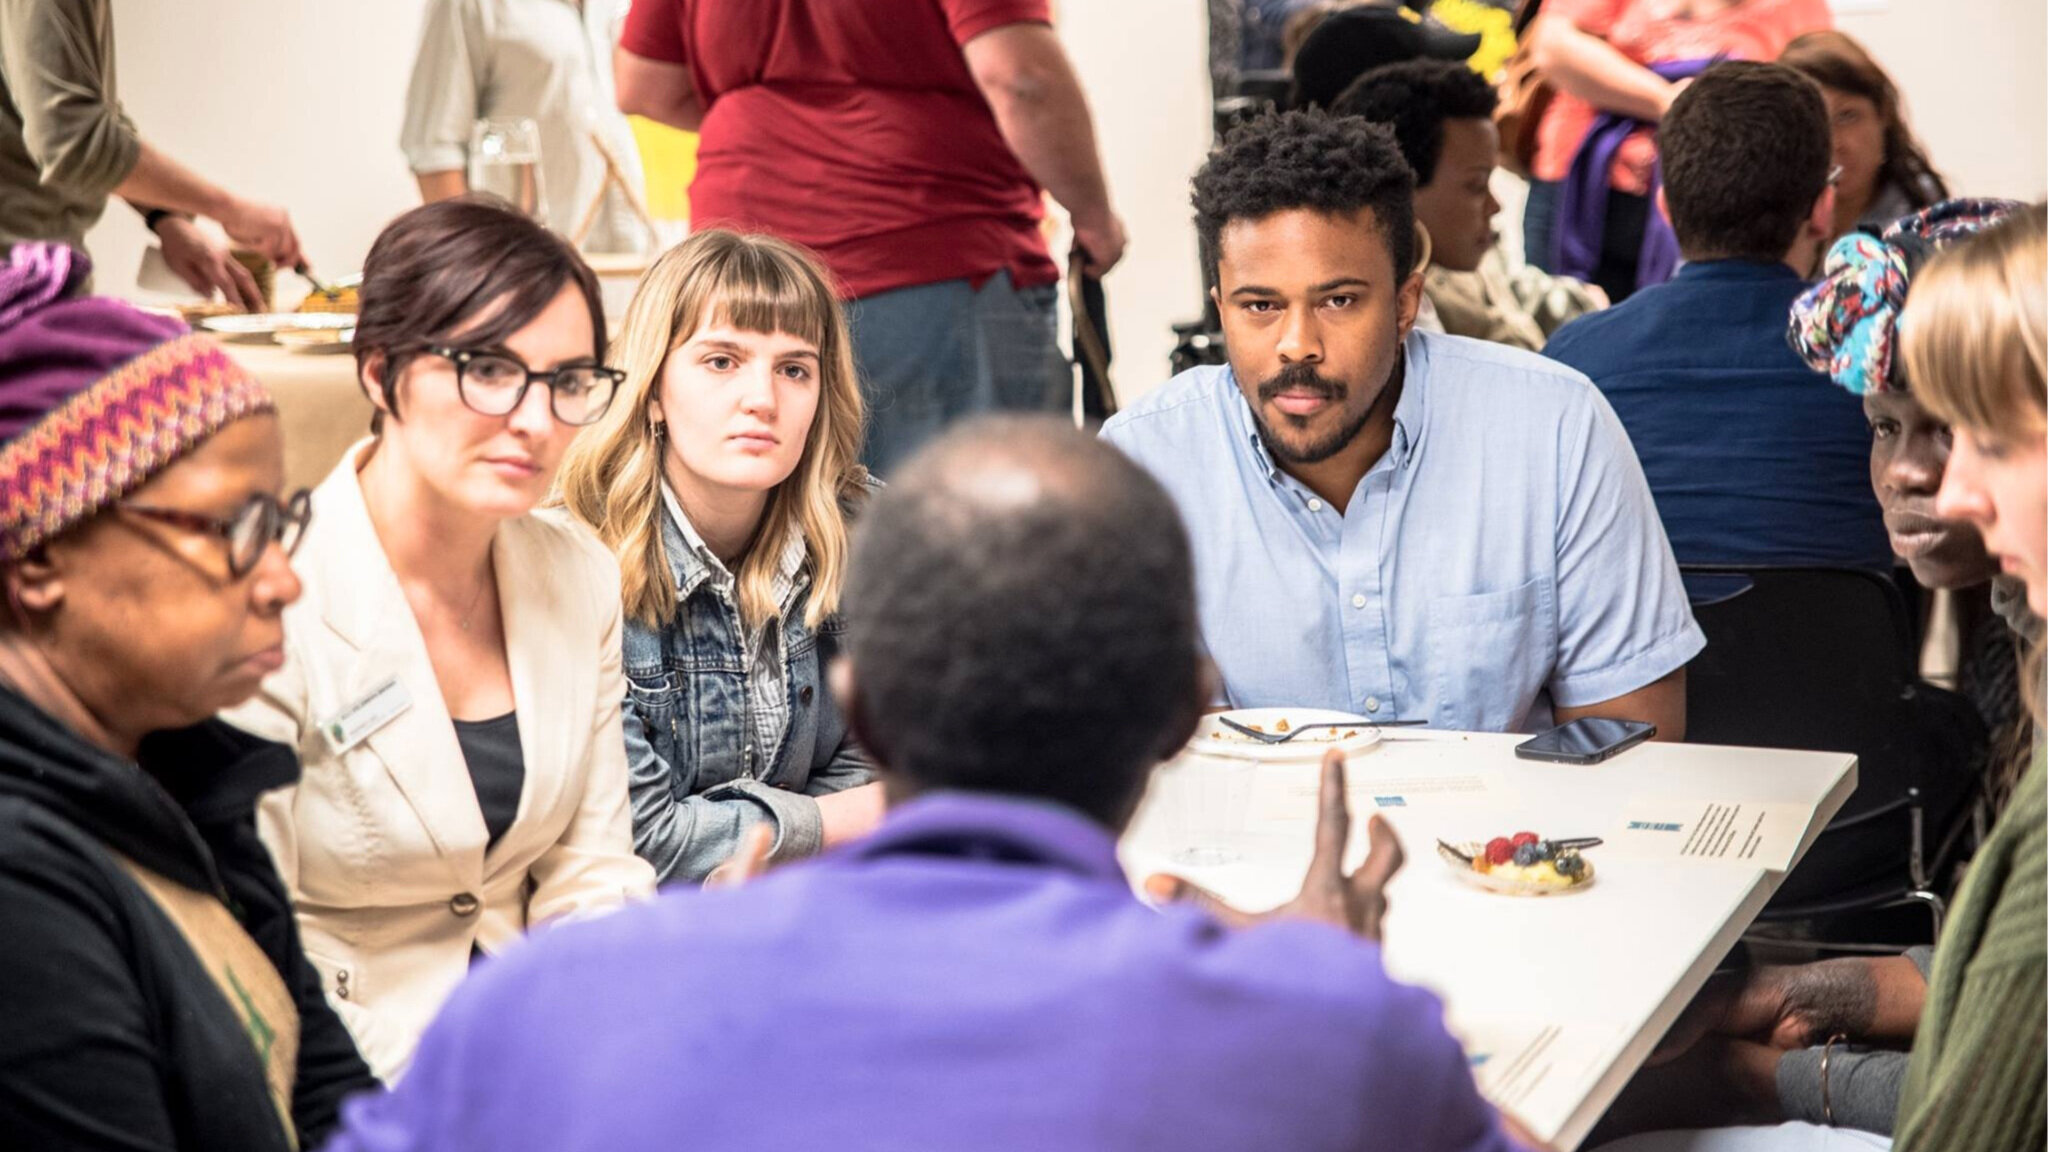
pixel 1558 999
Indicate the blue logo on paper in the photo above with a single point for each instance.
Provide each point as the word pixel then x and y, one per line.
pixel 1648 826
pixel 1390 801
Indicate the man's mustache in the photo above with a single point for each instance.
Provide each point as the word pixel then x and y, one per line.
pixel 1301 378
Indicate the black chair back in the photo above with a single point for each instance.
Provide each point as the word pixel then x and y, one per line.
pixel 1823 659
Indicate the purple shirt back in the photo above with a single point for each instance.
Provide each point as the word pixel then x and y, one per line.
pixel 976 974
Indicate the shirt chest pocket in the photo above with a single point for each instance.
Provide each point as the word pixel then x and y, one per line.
pixel 696 721
pixel 656 697
pixel 1491 654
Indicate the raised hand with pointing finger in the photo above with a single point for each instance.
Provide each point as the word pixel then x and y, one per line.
pixel 1356 901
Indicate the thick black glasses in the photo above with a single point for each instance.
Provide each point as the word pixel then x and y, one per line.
pixel 249 531
pixel 495 384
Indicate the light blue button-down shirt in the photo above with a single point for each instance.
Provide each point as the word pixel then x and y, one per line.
pixel 1502 559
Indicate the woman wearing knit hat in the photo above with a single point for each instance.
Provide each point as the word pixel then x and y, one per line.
pixel 152 989
pixel 453 679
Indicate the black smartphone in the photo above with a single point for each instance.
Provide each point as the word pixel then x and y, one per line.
pixel 1585 741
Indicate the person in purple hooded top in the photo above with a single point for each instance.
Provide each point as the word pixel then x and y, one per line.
pixel 977 973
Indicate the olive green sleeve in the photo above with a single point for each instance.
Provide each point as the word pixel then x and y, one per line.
pixel 55 56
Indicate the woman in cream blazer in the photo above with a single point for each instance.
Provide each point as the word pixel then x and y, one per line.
pixel 387 844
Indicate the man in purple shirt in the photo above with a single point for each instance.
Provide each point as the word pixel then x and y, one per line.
pixel 977 973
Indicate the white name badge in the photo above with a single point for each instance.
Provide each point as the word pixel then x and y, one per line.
pixel 353 724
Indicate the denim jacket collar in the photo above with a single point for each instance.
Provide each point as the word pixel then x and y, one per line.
pixel 692 562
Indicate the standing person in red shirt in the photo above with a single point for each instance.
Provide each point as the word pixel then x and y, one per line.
pixel 906 141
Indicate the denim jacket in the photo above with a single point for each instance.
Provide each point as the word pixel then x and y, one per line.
pixel 698 778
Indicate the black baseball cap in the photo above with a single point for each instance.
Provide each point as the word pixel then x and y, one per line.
pixel 1354 41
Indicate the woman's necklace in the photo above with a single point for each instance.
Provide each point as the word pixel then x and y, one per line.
pixel 474 600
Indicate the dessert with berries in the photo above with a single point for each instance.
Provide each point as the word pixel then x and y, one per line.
pixel 1524 863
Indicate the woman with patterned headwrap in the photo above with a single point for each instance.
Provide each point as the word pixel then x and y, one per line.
pixel 1846 325
pixel 153 994
pixel 1938 1049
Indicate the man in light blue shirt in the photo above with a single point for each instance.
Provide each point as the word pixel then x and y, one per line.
pixel 1390 522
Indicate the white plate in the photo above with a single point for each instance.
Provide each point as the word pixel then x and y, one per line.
pixel 1212 738
pixel 317 341
pixel 261 327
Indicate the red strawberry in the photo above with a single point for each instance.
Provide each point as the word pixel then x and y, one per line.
pixel 1499 850
pixel 1521 838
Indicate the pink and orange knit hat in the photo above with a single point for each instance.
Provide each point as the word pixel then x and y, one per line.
pixel 96 396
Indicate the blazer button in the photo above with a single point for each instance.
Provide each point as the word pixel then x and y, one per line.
pixel 463 904
pixel 804 694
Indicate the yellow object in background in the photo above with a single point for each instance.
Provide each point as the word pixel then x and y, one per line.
pixel 1495 27
pixel 668 157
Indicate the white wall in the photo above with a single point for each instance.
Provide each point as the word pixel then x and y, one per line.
pixel 1975 88
pixel 1144 65
pixel 291 101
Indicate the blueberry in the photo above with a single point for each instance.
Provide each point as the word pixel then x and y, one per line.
pixel 1546 850
pixel 1526 855
pixel 1568 864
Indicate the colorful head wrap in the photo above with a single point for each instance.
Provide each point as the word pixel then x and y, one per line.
pixel 96 396
pixel 1847 324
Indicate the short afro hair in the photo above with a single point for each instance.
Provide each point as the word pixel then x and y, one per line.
pixel 1306 159
pixel 1020 613
pixel 1414 99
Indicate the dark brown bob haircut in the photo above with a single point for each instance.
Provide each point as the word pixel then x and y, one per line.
pixel 443 265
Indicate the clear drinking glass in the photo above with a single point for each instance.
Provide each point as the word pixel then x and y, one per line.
pixel 1206 798
pixel 504 160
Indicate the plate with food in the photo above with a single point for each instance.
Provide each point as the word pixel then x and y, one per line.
pixel 317 341
pixel 1524 864
pixel 263 327
pixel 195 314
pixel 1309 733
pixel 341 296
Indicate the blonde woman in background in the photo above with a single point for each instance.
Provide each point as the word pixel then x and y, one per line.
pixel 451 679
pixel 722 478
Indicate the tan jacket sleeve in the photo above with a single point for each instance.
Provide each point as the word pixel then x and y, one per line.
pixel 593 868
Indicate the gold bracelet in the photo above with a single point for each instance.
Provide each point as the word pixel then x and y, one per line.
pixel 1827 1103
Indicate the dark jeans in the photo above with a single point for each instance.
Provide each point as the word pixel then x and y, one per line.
pixel 1539 222
pixel 934 353
pixel 1621 242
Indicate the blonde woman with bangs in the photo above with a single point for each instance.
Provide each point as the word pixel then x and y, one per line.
pixel 722 478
